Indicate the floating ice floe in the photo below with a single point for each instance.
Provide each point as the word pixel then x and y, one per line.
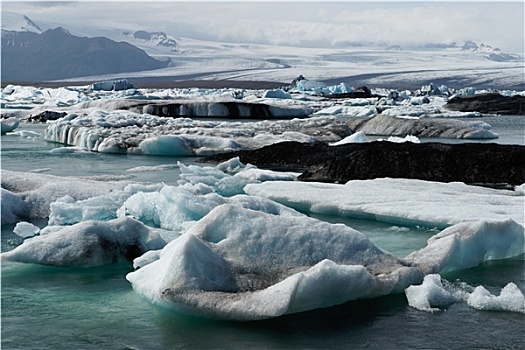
pixel 397 201
pixel 468 244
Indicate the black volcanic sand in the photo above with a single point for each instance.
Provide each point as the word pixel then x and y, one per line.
pixel 492 164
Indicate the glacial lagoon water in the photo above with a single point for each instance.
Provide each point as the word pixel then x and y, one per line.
pixel 96 308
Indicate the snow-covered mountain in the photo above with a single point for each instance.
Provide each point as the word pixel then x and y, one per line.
pixel 363 63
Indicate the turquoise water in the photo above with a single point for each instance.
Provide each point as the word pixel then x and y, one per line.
pixel 96 308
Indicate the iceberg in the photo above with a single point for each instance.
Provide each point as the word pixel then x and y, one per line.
pixel 205 248
pixel 133 133
pixel 27 196
pixel 243 264
pixel 468 244
pixel 87 244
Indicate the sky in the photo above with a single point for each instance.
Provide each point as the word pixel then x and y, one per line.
pixel 296 23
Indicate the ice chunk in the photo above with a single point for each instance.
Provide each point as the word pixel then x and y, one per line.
pixel 408 138
pixel 233 166
pixel 511 299
pixel 358 137
pixel 26 229
pixel 68 211
pixel 468 244
pixel 238 263
pixel 89 243
pixel 8 125
pixel 349 111
pixel 170 207
pixel 277 93
pixel 256 175
pixel 430 295
pixel 435 293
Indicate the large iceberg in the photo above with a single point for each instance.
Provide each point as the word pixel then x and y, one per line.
pixel 128 132
pixel 243 264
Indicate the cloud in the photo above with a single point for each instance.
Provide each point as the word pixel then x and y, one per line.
pixel 322 24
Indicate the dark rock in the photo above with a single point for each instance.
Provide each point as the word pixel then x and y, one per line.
pixel 47 115
pixel 472 163
pixel 492 103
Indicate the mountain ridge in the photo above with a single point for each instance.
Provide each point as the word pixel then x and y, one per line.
pixel 57 54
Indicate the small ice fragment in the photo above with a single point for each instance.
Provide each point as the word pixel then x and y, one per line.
pixel 26 229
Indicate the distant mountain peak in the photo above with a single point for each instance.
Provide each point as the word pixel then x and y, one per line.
pixel 156 38
pixel 60 30
pixel 469 46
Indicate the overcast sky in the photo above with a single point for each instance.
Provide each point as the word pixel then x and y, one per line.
pixel 312 23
